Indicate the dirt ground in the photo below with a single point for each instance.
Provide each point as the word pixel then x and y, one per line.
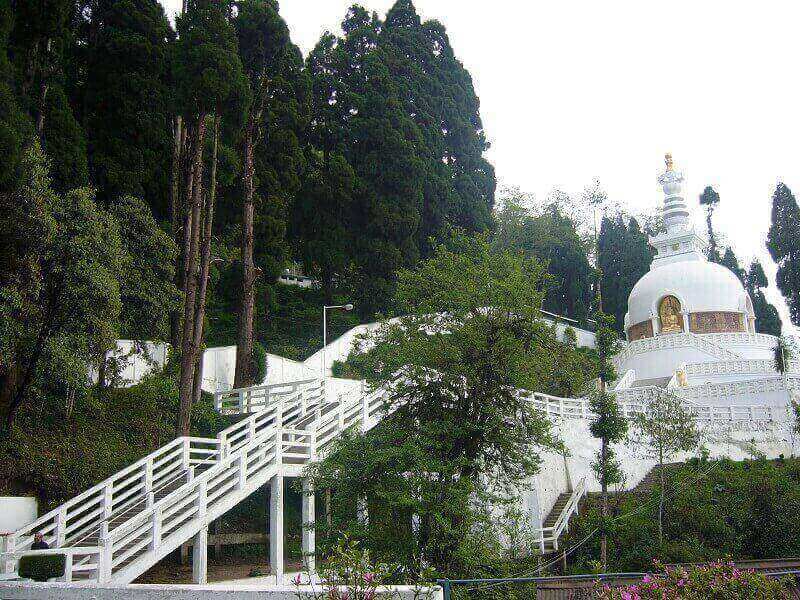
pixel 170 570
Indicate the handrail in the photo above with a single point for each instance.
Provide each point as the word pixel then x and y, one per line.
pixel 42 523
pixel 570 508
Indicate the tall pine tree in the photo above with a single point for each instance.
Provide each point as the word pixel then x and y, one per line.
pixel 127 101
pixel 272 156
pixel 624 256
pixel 710 199
pixel 783 243
pixel 767 318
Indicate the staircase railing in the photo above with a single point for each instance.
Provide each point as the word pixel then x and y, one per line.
pixel 79 516
pixel 551 534
pixel 294 425
pixel 89 515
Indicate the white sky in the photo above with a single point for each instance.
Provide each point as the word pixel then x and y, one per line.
pixel 572 90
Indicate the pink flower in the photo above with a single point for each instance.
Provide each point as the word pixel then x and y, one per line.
pixel 647 578
pixel 369 577
pixel 296 579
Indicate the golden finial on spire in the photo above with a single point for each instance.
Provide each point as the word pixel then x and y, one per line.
pixel 668 161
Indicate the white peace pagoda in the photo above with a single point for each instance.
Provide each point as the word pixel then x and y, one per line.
pixel 690 325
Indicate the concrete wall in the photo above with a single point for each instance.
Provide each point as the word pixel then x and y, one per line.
pixel 734 442
pixel 62 591
pixel 16 512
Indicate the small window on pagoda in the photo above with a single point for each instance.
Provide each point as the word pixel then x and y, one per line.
pixel 669 314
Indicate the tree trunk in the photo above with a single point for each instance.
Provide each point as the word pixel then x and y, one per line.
pixel 661 497
pixel 177 214
pixel 192 231
pixel 604 504
pixel 205 265
pixel 244 342
pixel 43 87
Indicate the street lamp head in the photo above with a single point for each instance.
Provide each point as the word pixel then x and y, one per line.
pixel 348 307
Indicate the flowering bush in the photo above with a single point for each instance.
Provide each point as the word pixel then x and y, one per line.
pixel 349 574
pixel 716 580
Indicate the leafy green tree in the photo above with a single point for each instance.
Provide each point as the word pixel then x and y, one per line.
pixel 277 110
pixel 15 127
pixel 147 288
pixel 783 244
pixel 320 219
pixel 551 237
pixel 127 101
pixel 668 427
pixel 439 96
pixel 710 199
pixel 40 43
pixel 63 292
pixel 624 256
pixel 731 262
pixel 767 318
pixel 64 142
pixel 608 424
pixel 208 76
pixel 459 429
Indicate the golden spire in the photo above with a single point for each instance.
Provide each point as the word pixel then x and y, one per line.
pixel 668 161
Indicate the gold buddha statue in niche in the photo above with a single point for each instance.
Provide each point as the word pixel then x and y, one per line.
pixel 669 313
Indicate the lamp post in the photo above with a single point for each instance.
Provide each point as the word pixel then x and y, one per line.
pixel 348 307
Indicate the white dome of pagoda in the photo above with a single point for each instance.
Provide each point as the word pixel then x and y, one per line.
pixel 699 287
pixel 683 292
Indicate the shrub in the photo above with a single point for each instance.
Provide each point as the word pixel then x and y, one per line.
pixel 259 362
pixel 42 567
pixel 714 580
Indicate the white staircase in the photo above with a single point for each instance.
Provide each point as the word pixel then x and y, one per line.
pixel 118 529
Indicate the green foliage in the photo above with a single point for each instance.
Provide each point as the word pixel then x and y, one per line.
pixel 716 580
pixel 207 70
pixel 460 433
pixel 62 296
pixel 665 427
pixel 279 90
pixel 260 362
pixel 783 355
pixel 127 101
pixel 610 426
pixel 731 262
pixel 289 324
pixel 783 244
pixel 710 199
pixel 64 142
pixel 745 510
pixel 147 290
pixel 391 100
pixel 607 344
pixel 767 318
pixel 15 127
pixel 552 237
pixel 57 456
pixel 324 240
pixel 42 567
pixel 624 256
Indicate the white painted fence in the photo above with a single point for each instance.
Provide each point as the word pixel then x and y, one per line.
pixel 289 425
pixel 709 343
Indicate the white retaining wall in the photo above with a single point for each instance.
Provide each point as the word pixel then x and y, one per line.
pixel 734 442
pixel 64 591
pixel 16 512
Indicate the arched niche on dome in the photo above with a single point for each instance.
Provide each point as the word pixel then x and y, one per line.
pixel 670 315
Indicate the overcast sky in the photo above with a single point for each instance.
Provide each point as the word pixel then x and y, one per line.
pixel 572 91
